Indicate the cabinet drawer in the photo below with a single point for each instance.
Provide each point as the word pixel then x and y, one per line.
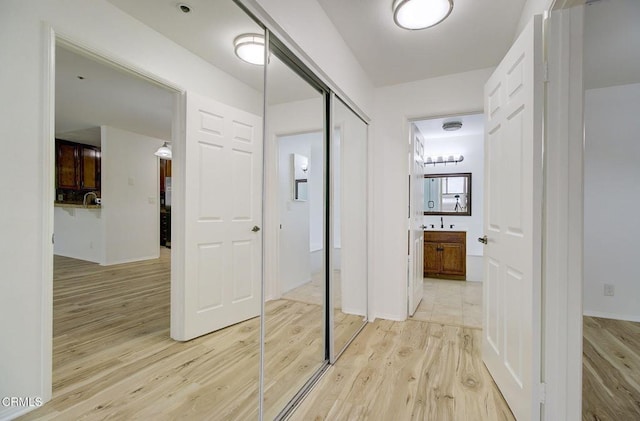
pixel 445 236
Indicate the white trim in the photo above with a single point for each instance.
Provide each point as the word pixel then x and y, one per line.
pixel 135 259
pixel 48 197
pixel 614 316
pixel 563 223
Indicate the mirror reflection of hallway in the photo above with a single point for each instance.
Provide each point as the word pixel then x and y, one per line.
pixel 295 347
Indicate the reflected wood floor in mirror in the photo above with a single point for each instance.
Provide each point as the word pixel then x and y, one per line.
pixel 410 370
pixel 610 370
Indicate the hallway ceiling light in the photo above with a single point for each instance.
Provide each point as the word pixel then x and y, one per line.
pixel 250 48
pixel 420 14
pixel 452 126
pixel 164 151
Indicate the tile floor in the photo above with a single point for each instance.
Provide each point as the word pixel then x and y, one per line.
pixel 457 303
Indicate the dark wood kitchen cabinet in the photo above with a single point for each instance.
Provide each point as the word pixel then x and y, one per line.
pixel 445 254
pixel 77 166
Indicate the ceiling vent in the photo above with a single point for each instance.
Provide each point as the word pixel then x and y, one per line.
pixel 451 126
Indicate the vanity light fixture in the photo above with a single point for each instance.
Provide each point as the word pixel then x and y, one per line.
pixel 447 159
pixel 452 126
pixel 250 48
pixel 164 151
pixel 420 14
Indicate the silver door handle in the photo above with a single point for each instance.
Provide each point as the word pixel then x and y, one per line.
pixel 255 228
pixel 483 240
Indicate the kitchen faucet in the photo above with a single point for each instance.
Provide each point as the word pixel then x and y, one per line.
pixel 84 200
pixel 441 222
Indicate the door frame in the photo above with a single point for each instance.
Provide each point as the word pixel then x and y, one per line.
pixel 408 120
pixel 563 201
pixel 51 37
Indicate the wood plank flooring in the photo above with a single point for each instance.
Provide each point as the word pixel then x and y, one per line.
pixel 113 357
pixel 610 370
pixel 411 370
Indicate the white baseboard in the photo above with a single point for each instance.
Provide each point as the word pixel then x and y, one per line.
pixel 135 259
pixel 614 316
pixel 392 317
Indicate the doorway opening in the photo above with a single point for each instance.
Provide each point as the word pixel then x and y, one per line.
pixel 451 201
pixel 111 276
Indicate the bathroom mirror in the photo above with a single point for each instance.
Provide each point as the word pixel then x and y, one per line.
pixel 447 194
pixel 300 170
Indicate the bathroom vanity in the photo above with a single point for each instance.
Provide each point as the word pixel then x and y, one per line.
pixel 445 254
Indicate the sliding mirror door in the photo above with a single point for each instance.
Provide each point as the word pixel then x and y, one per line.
pixel 295 300
pixel 349 231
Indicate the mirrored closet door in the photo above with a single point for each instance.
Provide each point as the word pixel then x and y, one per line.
pixel 349 225
pixel 295 346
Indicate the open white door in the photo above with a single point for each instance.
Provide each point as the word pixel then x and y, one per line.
pixel 513 208
pixel 416 220
pixel 223 214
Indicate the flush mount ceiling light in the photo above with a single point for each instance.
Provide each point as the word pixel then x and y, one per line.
pixel 420 14
pixel 164 151
pixel 452 126
pixel 250 48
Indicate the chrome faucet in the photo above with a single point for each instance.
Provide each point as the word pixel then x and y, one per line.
pixel 441 223
pixel 84 200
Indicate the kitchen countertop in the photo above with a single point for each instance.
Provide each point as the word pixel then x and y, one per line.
pixel 75 205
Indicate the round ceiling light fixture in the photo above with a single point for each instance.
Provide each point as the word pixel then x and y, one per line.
pixel 250 48
pixel 420 14
pixel 452 126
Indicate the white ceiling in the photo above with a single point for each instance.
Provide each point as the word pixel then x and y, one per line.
pixel 472 124
pixel 106 96
pixel 476 35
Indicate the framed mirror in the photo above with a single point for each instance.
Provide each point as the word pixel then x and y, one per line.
pixel 300 169
pixel 447 194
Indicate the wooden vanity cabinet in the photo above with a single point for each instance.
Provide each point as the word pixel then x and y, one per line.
pixel 445 254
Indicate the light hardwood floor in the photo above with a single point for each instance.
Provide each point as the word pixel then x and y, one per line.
pixel 113 358
pixel 409 370
pixel 610 370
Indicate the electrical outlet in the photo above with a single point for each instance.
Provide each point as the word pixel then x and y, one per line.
pixel 609 290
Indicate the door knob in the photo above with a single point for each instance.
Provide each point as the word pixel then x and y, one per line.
pixel 255 228
pixel 483 240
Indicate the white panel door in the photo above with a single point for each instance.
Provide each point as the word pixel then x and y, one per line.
pixel 416 259
pixel 223 212
pixel 512 223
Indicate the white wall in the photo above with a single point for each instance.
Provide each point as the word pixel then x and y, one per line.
pixel 79 233
pixel 130 196
pixel 26 252
pixel 611 201
pixel 472 148
pixel 282 120
pixel 301 221
pixel 394 105
pixel 350 183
